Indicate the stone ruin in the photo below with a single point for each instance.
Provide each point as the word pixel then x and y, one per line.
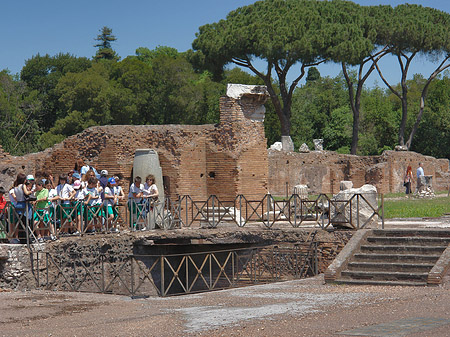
pixel 425 190
pixel 225 159
pixel 323 171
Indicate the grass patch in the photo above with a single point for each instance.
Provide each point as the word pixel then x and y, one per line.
pixel 416 208
pixel 402 194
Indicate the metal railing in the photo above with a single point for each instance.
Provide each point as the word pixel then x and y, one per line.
pixel 175 274
pixel 321 212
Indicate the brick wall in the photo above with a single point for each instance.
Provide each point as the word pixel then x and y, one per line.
pixel 323 171
pixel 197 160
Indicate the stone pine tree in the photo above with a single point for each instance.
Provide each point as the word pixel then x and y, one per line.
pixel 366 18
pixel 288 36
pixel 410 31
pixel 105 50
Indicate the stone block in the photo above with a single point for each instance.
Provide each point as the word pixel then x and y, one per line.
pixel 318 144
pixel 277 146
pixel 301 191
pixel 345 185
pixel 287 144
pixel 304 148
pixel 345 214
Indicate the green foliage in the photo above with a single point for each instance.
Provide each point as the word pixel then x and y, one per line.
pixel 105 51
pixel 337 134
pixel 312 108
pixel 19 130
pixel 379 122
pixel 57 96
pixel 283 34
pixel 42 74
pixel 147 56
pixel 313 75
pixel 432 135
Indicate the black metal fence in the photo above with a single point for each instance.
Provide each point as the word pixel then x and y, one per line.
pixel 176 274
pixel 31 223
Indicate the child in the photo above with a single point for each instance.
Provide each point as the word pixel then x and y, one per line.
pixel 52 205
pixel 109 201
pixel 92 199
pixel 119 194
pixel 41 219
pixel 78 204
pixel 65 193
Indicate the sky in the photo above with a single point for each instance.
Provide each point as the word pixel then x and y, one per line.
pixel 30 27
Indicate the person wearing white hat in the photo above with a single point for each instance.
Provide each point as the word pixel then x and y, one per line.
pixel 30 180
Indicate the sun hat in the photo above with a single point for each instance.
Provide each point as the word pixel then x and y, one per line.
pixel 77 184
pixel 112 181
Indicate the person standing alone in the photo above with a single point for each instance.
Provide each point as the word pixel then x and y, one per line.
pixel 419 174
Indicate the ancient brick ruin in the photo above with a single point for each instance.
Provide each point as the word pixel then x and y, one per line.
pixel 226 159
pixel 323 171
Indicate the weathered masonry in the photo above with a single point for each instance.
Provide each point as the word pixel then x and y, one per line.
pixel 323 171
pixel 226 159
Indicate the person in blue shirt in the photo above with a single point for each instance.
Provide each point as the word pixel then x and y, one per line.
pixel 419 174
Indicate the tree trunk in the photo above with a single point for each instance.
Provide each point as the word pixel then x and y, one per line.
pixel 416 124
pixel 401 130
pixel 355 132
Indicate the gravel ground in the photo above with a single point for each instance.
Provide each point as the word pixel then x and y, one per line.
pixel 295 308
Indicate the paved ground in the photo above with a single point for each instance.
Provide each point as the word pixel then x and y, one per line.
pixel 295 308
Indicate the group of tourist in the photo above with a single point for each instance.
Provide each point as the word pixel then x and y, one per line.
pixel 81 201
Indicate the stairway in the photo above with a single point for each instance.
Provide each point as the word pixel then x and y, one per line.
pixel 395 257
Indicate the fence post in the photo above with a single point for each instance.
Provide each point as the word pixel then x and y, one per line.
pixel 382 211
pixel 103 272
pixel 46 269
pixel 210 271
pixel 162 276
pixel 213 211
pixel 132 274
pixel 357 210
pixel 316 260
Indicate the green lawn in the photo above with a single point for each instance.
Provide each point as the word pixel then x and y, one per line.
pixel 416 208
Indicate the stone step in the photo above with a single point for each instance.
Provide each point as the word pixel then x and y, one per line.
pixel 362 257
pixel 443 233
pixel 385 275
pixel 409 240
pixel 393 249
pixel 381 283
pixel 391 266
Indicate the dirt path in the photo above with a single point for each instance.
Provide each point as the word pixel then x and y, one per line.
pixel 294 308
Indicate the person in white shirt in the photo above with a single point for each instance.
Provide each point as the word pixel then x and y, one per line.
pixel 110 199
pixel 52 202
pixel 118 191
pixel 92 201
pixel 135 200
pixel 78 203
pixel 65 193
pixel 150 190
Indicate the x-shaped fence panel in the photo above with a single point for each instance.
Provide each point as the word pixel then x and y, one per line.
pixel 167 275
